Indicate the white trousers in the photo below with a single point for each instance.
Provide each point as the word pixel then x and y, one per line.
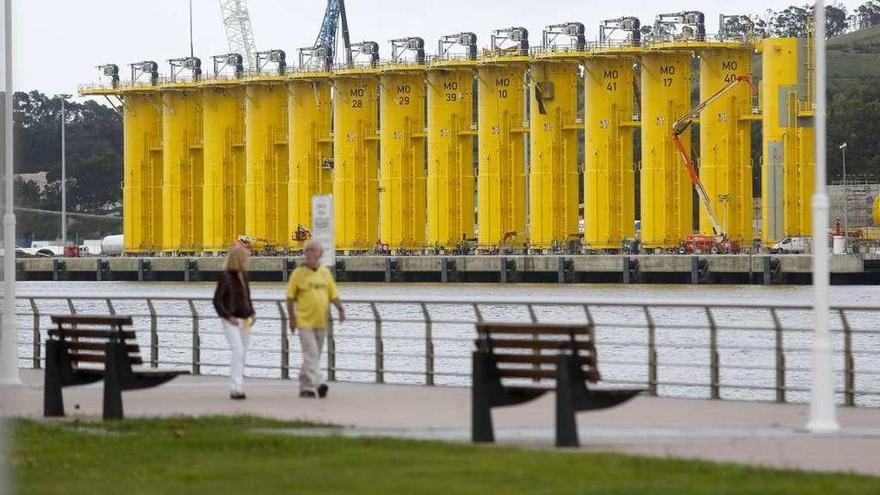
pixel 311 343
pixel 238 339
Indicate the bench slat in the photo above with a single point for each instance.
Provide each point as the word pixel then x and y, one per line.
pixel 90 333
pixel 92 319
pixel 80 357
pixel 532 329
pixel 589 374
pixel 536 344
pixel 538 359
pixel 99 346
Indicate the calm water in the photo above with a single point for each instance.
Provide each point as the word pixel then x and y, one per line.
pixel 747 356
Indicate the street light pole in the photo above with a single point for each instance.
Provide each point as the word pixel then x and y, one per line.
pixel 63 179
pixel 823 416
pixel 8 331
pixel 845 200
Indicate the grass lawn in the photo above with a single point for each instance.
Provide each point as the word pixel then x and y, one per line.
pixel 220 456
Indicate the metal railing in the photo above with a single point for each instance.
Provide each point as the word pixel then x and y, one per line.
pixel 741 351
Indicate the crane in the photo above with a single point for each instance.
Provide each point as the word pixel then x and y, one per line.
pixel 323 53
pixel 681 125
pixel 239 32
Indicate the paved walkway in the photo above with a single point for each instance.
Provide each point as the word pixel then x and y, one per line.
pixel 744 432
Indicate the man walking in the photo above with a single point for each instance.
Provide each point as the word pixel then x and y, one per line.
pixel 310 292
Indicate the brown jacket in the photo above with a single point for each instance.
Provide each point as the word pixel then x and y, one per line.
pixel 232 298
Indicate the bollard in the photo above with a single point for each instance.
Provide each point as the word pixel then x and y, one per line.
pixel 503 277
pixel 768 275
pixel 58 267
pixel 444 270
pixel 695 270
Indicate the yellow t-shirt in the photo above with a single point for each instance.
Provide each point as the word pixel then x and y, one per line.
pixel 312 289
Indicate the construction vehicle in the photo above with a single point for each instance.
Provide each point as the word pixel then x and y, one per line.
pixel 256 245
pixel 302 234
pixel 700 243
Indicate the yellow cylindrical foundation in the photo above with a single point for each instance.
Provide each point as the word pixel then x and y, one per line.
pixel 183 178
pixel 789 158
pixel 224 151
pixel 501 179
pixel 356 160
pixel 450 194
pixel 402 174
pixel 609 187
pixel 266 163
pixel 142 174
pixel 553 171
pixel 725 142
pixel 310 114
pixel 666 190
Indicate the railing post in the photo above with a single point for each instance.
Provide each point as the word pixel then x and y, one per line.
pixel 331 352
pixel 154 335
pixel 196 341
pixel 380 353
pixel 849 370
pixel 429 346
pixel 780 357
pixel 110 307
pixel 285 342
pixel 714 358
pixel 652 353
pixel 35 310
pixel 478 313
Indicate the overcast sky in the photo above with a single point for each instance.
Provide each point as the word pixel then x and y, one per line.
pixel 58 43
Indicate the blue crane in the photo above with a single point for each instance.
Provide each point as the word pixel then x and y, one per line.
pixel 326 42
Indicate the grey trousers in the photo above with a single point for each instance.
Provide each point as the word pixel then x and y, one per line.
pixel 311 343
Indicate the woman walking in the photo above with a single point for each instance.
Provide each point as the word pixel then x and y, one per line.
pixel 232 300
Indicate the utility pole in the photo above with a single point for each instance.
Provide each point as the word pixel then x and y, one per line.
pixel 823 415
pixel 8 331
pixel 63 178
pixel 845 200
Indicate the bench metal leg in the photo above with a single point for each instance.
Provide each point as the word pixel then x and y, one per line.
pixel 568 376
pixel 53 400
pixel 112 382
pixel 481 412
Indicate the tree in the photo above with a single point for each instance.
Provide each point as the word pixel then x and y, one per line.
pixel 867 14
pixel 794 21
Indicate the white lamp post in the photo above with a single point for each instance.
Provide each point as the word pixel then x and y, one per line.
pixel 9 332
pixel 823 416
pixel 842 148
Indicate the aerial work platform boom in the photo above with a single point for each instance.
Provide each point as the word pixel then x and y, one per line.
pixel 681 125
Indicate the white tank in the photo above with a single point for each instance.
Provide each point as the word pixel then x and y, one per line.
pixel 839 245
pixel 112 245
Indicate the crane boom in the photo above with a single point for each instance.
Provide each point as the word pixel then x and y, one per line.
pixel 239 32
pixel 681 125
pixel 334 17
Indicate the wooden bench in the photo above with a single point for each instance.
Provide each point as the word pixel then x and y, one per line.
pixel 513 364
pixel 79 346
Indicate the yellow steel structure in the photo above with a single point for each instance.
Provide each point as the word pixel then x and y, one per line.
pixel 789 156
pixel 402 150
pixel 182 169
pixel 501 179
pixel 266 162
pixel 553 167
pixel 142 174
pixel 224 152
pixel 609 177
pixel 356 159
pixel 450 189
pixel 310 145
pixel 666 190
pixel 725 141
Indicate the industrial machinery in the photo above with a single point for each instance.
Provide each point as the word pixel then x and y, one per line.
pixel 146 68
pixel 239 32
pixel 368 49
pixel 277 58
pixel 681 125
pixel 322 54
pixel 451 132
pixel 553 138
pixel 573 30
pixel 449 41
pixel 629 25
pixel 191 64
pixel 680 26
pixel 228 62
pixel 513 40
pixel 111 71
pixel 402 119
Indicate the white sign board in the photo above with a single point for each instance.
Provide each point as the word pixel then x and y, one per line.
pixel 322 228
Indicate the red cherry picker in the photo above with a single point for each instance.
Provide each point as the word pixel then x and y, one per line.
pixel 700 243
